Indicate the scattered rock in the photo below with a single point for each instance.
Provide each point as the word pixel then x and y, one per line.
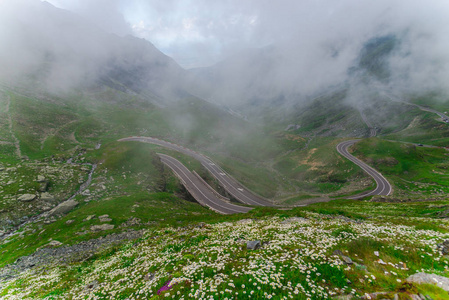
pixel 54 243
pixel 68 222
pixel 92 285
pixel 346 259
pixel 63 208
pixel 45 207
pixel 66 254
pixel 101 227
pixel 149 276
pixel 380 261
pixel 131 222
pixel 49 220
pixel 200 224
pixel 293 219
pixel 444 247
pixel 86 192
pixel 40 178
pixel 373 295
pixel 401 266
pixel 443 214
pixel 253 245
pixel 43 186
pixel 337 252
pixel 244 221
pixel 27 197
pixel 344 297
pixel 89 217
pixel 105 218
pixel 440 281
pixel 376 253
pixel 47 197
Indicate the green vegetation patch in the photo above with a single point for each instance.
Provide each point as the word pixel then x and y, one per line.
pixel 412 169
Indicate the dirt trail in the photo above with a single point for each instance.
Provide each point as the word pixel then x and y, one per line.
pixel 11 131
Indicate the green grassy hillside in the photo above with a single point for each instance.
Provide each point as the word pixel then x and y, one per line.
pixel 415 171
pixel 175 239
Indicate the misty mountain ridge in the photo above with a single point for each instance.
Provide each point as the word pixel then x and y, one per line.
pixel 57 50
pixel 270 77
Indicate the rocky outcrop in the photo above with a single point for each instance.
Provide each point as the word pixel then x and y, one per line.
pixel 47 197
pixel 444 247
pixel 63 208
pixel 440 281
pixel 65 254
pixel 253 245
pixel 101 227
pixel 27 197
pixel 104 218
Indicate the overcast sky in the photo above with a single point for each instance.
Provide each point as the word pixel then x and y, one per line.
pixel 201 32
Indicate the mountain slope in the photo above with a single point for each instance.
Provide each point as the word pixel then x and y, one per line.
pixel 55 50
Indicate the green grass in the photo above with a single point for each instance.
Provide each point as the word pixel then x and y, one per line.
pixel 428 130
pixel 432 100
pixel 413 170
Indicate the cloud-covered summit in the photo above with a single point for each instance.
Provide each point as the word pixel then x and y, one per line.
pixel 275 50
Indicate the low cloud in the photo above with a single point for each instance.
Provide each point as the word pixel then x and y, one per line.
pixel 278 49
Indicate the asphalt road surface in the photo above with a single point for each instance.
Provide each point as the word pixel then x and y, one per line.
pixel 232 186
pixel 238 191
pixel 383 186
pixel 202 192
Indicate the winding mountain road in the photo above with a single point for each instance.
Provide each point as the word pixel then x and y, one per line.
pixel 207 196
pixel 383 186
pixel 232 186
pixel 200 190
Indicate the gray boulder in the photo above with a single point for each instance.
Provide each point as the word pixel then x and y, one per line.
pixel 244 221
pixel 104 218
pixel 92 285
pixel 54 243
pixel 253 245
pixel 440 281
pixel 43 186
pixel 40 178
pixel 102 227
pixel 63 208
pixel 346 259
pixel 89 217
pixel 47 197
pixel 27 197
pixel 444 247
